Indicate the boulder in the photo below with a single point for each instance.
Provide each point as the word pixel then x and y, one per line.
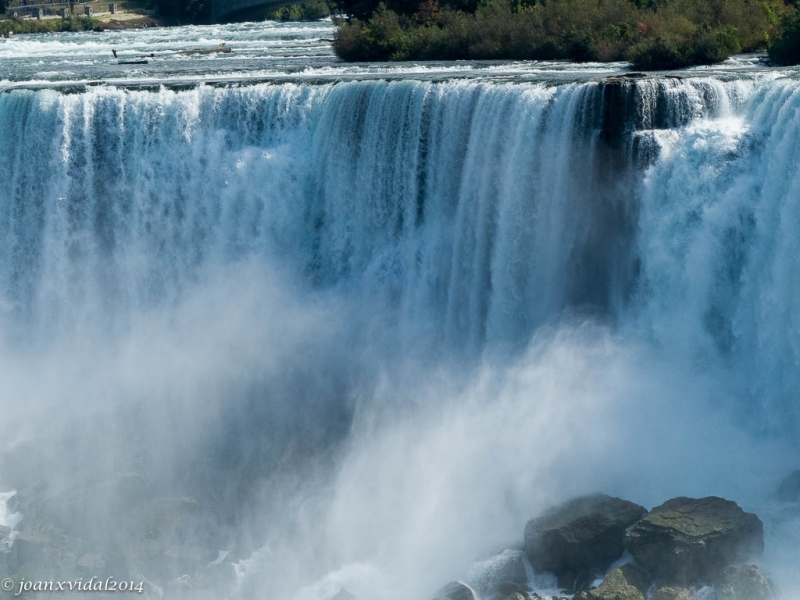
pixel 580 538
pixel 499 575
pixel 673 593
pixel 687 541
pixel 743 582
pixel 516 596
pixel 455 590
pixel 4 532
pixel 624 583
pixel 789 490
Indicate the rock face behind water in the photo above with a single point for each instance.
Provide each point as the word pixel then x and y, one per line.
pixel 688 541
pixel 581 537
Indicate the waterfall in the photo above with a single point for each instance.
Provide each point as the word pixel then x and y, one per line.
pixel 477 211
pixel 507 292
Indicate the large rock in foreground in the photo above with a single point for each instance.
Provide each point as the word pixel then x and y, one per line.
pixel 580 538
pixel 688 541
pixel 625 583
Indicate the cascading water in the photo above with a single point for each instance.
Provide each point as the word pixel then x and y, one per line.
pixel 390 320
pixel 477 210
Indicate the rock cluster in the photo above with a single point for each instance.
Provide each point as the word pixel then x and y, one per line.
pixel 682 544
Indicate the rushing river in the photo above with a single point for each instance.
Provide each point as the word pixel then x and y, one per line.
pixel 372 318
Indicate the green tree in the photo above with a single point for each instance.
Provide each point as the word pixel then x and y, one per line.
pixel 184 11
pixel 785 50
pixel 363 9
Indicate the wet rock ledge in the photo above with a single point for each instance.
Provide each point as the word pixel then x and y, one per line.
pixel 605 548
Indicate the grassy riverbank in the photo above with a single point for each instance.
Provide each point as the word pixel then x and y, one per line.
pixel 652 34
pixel 19 26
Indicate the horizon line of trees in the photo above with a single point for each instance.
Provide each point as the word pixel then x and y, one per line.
pixel 652 34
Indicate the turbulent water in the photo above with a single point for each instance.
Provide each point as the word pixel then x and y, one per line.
pixel 375 317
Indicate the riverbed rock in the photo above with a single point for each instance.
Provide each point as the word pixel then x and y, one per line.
pixel 789 490
pixel 580 538
pixel 624 583
pixel 743 582
pixel 673 593
pixel 455 590
pixel 687 541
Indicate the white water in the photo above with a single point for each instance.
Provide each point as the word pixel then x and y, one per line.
pixel 404 316
pixel 8 518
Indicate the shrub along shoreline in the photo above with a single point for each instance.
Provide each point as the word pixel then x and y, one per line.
pixel 651 34
pixel 18 26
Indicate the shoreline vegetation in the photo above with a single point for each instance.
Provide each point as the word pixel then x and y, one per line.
pixel 23 26
pixel 651 34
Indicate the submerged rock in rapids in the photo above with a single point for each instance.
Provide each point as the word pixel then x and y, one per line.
pixel 579 538
pixel 455 590
pixel 687 541
pixel 624 583
pixel 789 490
pixel 673 593
pixel 743 582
